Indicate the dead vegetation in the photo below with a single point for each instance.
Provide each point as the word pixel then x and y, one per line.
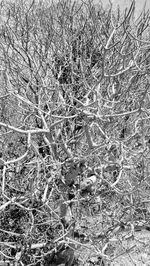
pixel 74 133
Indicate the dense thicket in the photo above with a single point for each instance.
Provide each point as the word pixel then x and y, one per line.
pixel 74 130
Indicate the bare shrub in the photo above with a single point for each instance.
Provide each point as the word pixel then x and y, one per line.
pixel 74 108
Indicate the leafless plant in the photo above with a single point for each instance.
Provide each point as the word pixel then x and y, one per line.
pixel 74 128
